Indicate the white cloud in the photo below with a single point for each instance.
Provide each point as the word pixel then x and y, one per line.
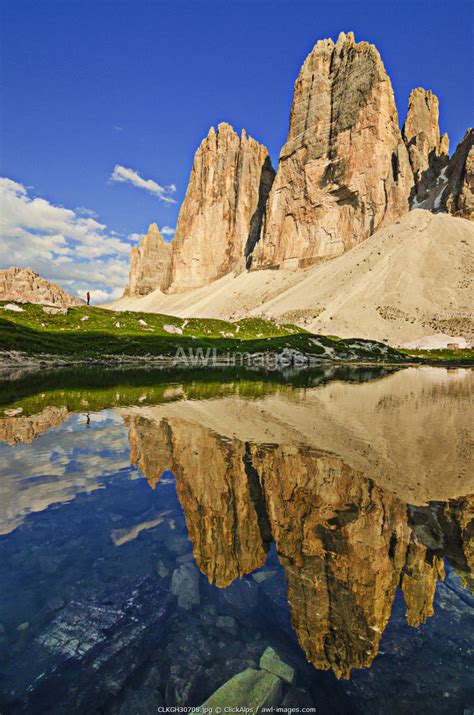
pixel 81 210
pixel 101 296
pixel 167 231
pixel 60 244
pixel 122 174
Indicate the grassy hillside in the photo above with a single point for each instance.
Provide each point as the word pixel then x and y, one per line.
pixel 94 333
pixel 88 334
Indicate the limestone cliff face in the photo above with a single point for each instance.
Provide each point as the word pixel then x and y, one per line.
pixel 344 170
pixel 452 189
pixel 23 285
pixel 428 151
pixel 150 264
pixel 221 215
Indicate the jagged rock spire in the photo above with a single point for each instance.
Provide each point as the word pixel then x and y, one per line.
pixel 344 170
pixel 428 151
pixel 221 215
pixel 150 263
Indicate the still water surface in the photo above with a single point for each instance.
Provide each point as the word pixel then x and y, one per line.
pixel 158 533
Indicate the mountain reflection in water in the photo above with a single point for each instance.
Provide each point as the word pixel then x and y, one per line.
pixel 362 489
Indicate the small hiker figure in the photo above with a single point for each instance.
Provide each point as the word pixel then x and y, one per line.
pixel 88 297
pixel 88 421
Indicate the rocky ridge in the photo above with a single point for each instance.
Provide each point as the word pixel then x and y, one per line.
pixel 458 196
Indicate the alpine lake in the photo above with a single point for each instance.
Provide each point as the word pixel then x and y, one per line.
pixel 163 531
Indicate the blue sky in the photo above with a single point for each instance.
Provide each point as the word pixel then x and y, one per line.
pixel 97 84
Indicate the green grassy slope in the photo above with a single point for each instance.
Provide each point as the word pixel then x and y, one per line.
pixel 88 333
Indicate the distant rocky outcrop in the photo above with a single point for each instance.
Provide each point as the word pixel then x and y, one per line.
pixel 428 151
pixel 344 170
pixel 23 285
pixel 150 264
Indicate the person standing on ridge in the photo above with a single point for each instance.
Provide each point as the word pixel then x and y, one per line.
pixel 88 297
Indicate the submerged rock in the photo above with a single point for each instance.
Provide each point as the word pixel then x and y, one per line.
pixel 185 585
pixel 88 651
pixel 228 623
pixel 162 569
pixel 297 698
pixel 252 688
pixel 144 700
pixel 272 662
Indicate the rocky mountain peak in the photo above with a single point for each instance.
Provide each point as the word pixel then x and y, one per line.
pixel 220 218
pixel 150 263
pixel 428 151
pixel 344 169
pixel 153 234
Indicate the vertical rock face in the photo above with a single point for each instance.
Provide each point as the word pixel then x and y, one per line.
pixel 451 190
pixel 428 151
pixel 221 215
pixel 344 170
pixel 458 198
pixel 418 583
pixel 150 264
